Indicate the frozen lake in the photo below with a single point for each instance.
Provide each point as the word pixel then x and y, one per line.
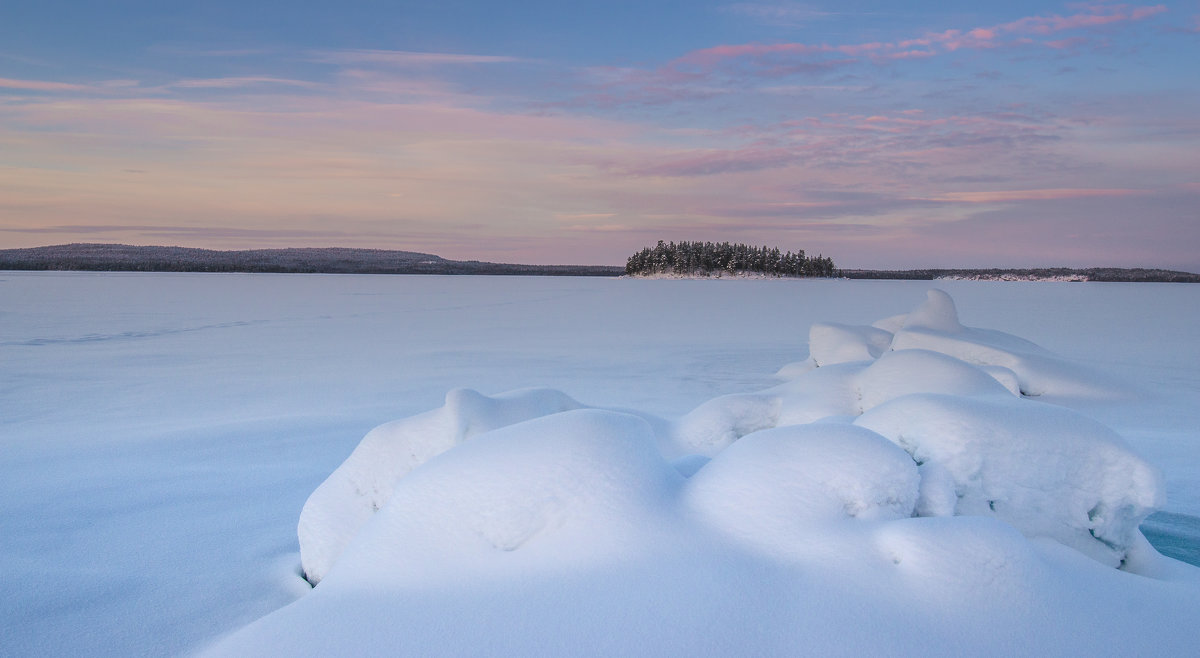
pixel 161 432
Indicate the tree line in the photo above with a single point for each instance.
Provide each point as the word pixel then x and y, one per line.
pixel 706 258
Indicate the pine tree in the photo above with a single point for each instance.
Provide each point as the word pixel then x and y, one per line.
pixel 704 258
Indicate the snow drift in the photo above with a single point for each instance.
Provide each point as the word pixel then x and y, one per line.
pixel 904 458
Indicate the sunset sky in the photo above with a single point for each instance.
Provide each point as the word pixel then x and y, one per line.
pixel 884 134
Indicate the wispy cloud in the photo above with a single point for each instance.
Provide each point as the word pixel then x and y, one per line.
pixel 241 81
pixel 405 58
pixel 1010 34
pixel 732 69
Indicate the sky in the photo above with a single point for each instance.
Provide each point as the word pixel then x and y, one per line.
pixel 882 134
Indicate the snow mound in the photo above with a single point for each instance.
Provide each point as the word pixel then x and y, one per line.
pixel 716 424
pixel 906 372
pixel 948 395
pixel 938 313
pixel 828 392
pixel 830 343
pixel 904 451
pixel 1021 366
pixel 551 489
pixel 1046 470
pixel 789 477
pixel 934 326
pixel 363 484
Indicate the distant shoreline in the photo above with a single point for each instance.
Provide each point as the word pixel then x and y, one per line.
pixel 1093 274
pixel 91 257
pixel 316 260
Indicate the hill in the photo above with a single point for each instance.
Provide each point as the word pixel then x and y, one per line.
pixel 325 260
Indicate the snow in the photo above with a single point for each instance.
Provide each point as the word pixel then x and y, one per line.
pixel 666 494
pixel 1047 471
pixel 793 475
pixel 363 484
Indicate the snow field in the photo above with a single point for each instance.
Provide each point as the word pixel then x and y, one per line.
pixel 160 433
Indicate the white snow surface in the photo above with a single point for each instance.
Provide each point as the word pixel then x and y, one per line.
pixel 916 486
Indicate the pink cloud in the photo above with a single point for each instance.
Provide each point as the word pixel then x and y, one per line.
pixel 1011 34
pixel 719 69
pixel 1097 15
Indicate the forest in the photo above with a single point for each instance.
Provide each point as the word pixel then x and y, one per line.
pixel 709 258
